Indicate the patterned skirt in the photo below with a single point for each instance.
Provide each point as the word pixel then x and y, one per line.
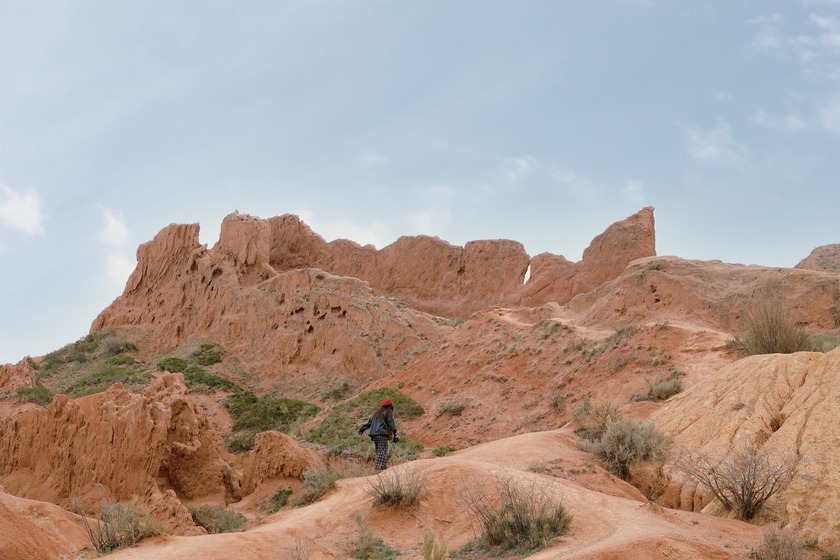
pixel 381 445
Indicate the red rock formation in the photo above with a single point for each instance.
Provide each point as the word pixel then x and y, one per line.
pixel 276 455
pixel 131 445
pixel 14 376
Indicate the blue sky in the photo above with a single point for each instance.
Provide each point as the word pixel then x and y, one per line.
pixel 543 122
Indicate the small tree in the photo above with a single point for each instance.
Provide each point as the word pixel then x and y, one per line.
pixel 745 480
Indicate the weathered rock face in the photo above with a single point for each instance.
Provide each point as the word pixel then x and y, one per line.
pixel 290 304
pixel 825 259
pixel 708 294
pixel 782 404
pixel 31 530
pixel 15 376
pixel 131 445
pixel 276 455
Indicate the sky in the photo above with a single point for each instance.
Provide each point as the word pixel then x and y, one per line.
pixel 538 121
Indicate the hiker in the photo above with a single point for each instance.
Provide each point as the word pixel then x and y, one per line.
pixel 381 426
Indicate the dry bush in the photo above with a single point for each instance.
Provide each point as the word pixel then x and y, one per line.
pixel 218 519
pixel 592 418
pixel 316 483
pixel 116 525
pixel 628 442
pixel 744 481
pixel 368 545
pixel 398 487
pixel 522 516
pixel 769 329
pixel 778 546
pixel 433 549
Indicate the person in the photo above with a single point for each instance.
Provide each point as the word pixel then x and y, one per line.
pixel 381 426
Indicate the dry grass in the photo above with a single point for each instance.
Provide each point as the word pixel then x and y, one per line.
pixel 398 487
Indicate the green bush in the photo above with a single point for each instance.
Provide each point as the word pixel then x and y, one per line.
pixel 368 546
pixel 106 377
pixel 279 499
pixel 173 364
pixel 529 517
pixel 218 519
pixel 628 442
pixel 120 360
pixel 37 394
pixel 316 483
pixel 198 380
pixel 443 450
pixel 208 354
pixel 250 412
pixel 240 443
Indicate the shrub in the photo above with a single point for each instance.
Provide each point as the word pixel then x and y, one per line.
pixel 116 525
pixel 664 388
pixel 316 483
pixel 368 546
pixel 592 418
pixel 241 442
pixel 777 546
pixel 769 328
pixel 453 407
pixel 199 380
pixel 208 354
pixel 443 450
pixel 279 499
pixel 398 488
pixel 745 480
pixel 628 442
pixel 120 360
pixel 218 519
pixel 250 412
pixel 173 364
pixel 433 549
pixel 114 347
pixel 37 394
pixel 528 517
pixel 106 377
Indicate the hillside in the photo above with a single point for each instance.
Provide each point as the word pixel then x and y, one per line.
pixel 222 375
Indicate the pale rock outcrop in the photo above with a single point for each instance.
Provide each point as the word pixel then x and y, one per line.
pixel 825 258
pixel 783 404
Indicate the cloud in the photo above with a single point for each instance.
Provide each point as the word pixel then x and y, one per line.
pixel 715 146
pixel 634 191
pixel 768 36
pixel 114 234
pixel 515 169
pixel 829 30
pixel 369 160
pixel 829 115
pixel 114 231
pixel 789 123
pixel 21 212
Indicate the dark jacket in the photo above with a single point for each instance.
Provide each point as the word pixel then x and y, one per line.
pixel 379 427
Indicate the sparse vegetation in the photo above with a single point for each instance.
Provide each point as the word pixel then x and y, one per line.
pixel 745 480
pixel 368 546
pixel 338 431
pixel 522 516
pixel 173 364
pixel 769 328
pixel 114 526
pixel 625 443
pixel 218 519
pixel 778 546
pixel 433 548
pixel 442 450
pixel 199 381
pixel 593 418
pixel 398 488
pixel 453 407
pixel 107 376
pixel 316 483
pixel 208 354
pixel 252 414
pixel 37 394
pixel 276 501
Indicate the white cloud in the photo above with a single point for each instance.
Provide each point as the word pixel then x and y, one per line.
pixel 788 123
pixel 634 191
pixel 715 146
pixel 119 268
pixel 20 212
pixel 114 231
pixel 829 115
pixel 768 36
pixel 515 169
pixel 369 160
pixel 829 27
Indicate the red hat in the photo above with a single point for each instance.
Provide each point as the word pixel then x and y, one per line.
pixel 389 402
